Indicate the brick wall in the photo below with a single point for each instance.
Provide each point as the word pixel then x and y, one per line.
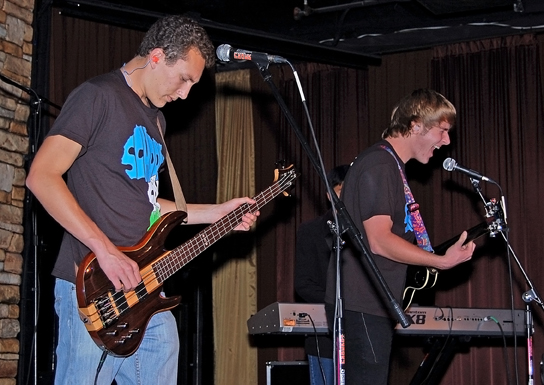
pixel 15 64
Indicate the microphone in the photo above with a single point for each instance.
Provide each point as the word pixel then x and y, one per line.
pixel 226 53
pixel 451 165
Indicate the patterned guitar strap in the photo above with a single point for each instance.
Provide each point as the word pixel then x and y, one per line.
pixel 412 207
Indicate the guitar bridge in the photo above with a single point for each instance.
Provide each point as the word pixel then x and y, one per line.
pixel 106 309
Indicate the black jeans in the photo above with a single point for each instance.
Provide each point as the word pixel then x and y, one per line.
pixel 368 347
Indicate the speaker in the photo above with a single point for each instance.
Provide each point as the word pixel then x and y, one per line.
pixel 287 372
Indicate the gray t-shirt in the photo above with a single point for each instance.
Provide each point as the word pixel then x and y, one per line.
pixel 115 177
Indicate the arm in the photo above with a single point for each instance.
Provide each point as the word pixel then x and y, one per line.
pixel 383 242
pixel 210 213
pixel 54 158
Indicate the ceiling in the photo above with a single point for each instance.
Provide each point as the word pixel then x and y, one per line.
pixel 341 32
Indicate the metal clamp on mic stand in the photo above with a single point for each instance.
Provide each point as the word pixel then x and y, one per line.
pixel 346 224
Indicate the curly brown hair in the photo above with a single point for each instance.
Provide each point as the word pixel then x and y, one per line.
pixel 176 35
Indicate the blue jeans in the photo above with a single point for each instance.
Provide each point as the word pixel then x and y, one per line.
pixel 316 377
pixel 155 361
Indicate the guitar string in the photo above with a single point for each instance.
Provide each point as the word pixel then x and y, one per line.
pixel 276 189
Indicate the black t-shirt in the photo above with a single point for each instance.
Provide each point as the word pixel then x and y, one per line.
pixel 115 177
pixel 373 186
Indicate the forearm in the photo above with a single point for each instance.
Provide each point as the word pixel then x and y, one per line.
pixel 211 213
pixel 196 213
pixel 393 247
pixel 399 250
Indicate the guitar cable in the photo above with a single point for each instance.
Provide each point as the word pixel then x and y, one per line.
pixel 102 360
pixel 449 318
pixel 505 346
pixel 316 345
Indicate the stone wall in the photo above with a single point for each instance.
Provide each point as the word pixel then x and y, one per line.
pixel 15 64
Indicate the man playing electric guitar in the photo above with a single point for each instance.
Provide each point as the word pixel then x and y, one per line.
pixel 380 202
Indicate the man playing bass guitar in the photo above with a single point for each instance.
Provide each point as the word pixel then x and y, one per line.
pixel 108 140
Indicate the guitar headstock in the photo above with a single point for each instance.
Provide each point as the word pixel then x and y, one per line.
pixel 495 217
pixel 284 176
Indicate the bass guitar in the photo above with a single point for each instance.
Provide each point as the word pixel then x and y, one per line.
pixel 116 320
pixel 420 277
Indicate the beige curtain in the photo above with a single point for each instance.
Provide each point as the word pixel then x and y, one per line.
pixel 235 281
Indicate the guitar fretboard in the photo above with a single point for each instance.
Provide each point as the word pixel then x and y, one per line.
pixel 183 254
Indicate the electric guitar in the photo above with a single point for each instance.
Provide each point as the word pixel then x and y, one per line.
pixel 420 277
pixel 116 320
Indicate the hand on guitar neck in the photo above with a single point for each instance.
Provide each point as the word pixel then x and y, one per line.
pixel 420 277
pixel 461 251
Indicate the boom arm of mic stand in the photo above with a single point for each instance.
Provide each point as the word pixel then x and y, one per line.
pixel 29 91
pixel 343 216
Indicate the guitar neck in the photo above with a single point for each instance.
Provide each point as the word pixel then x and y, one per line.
pixel 183 254
pixel 473 233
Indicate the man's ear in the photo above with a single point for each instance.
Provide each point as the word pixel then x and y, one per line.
pixel 416 127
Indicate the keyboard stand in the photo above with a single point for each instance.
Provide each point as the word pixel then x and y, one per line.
pixel 436 361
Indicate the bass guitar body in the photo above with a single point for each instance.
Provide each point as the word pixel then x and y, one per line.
pixel 117 320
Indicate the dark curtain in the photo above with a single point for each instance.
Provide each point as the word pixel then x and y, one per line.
pixel 337 103
pixel 83 49
pixel 496 87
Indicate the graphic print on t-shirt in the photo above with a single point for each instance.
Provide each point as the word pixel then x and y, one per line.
pixel 143 155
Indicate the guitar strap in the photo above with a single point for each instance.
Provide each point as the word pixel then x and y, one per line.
pixel 181 204
pixel 412 207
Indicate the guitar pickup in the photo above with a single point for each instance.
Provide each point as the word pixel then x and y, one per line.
pixel 123 339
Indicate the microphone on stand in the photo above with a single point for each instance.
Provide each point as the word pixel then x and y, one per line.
pixel 451 165
pixel 298 13
pixel 226 53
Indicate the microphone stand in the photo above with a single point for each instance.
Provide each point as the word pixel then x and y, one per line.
pixel 35 104
pixel 346 224
pixel 529 296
